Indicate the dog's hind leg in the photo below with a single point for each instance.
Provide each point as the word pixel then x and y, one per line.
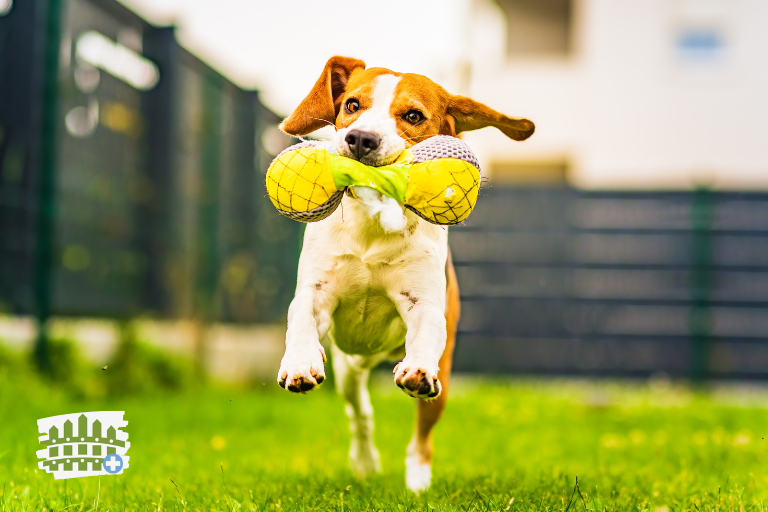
pixel 351 374
pixel 418 460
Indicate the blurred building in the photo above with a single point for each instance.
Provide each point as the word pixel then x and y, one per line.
pixel 625 94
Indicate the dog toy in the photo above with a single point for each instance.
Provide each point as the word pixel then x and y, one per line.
pixel 437 179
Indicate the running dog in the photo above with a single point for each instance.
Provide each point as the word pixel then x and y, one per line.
pixel 375 280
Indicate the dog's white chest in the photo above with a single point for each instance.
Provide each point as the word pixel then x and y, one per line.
pixel 365 320
pixel 358 271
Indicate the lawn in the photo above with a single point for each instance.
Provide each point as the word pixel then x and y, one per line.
pixel 503 445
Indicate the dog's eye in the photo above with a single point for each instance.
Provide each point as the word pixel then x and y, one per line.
pixel 414 117
pixel 352 106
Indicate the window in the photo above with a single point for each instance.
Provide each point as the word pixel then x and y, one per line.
pixel 700 44
pixel 535 174
pixel 5 7
pixel 537 27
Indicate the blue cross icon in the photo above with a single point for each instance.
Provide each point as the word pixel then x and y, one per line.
pixel 113 463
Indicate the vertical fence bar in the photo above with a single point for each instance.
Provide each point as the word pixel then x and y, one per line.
pixel 158 108
pixel 210 157
pixel 21 69
pixel 700 315
pixel 208 211
pixel 46 208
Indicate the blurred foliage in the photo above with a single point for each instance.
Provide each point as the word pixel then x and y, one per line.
pixel 136 368
pixel 68 370
pixel 140 368
pixel 13 363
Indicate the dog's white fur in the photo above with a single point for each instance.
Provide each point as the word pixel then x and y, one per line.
pixel 367 287
pixel 367 290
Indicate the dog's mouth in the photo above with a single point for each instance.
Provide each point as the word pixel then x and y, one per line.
pixel 374 160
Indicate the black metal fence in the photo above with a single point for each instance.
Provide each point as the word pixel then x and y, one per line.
pixel 614 283
pixel 131 175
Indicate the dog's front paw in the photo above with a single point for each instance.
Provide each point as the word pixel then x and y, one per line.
pixel 302 370
pixel 417 380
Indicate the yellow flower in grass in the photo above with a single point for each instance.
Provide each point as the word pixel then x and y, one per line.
pixel 218 443
pixel 612 441
pixel 700 438
pixel 742 439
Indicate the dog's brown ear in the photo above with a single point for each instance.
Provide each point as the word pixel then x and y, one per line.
pixel 322 104
pixel 468 114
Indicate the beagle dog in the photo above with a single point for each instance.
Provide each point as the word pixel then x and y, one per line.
pixel 375 280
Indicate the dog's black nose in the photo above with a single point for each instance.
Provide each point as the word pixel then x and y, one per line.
pixel 361 143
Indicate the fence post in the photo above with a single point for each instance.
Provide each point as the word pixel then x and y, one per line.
pixel 46 183
pixel 700 315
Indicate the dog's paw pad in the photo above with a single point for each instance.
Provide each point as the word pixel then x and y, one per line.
pixel 416 381
pixel 301 371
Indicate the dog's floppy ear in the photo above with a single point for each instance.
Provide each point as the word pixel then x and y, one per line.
pixel 322 104
pixel 468 114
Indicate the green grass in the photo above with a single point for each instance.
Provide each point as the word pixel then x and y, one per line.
pixel 632 447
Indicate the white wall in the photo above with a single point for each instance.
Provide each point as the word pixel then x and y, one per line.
pixel 625 110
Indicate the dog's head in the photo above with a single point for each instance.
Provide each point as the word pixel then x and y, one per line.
pixel 378 113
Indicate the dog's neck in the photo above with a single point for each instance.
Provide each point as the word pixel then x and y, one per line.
pixel 358 231
pixel 389 213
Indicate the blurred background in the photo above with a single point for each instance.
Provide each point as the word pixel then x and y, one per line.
pixel 627 237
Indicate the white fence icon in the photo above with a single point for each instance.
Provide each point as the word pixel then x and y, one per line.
pixel 74 452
